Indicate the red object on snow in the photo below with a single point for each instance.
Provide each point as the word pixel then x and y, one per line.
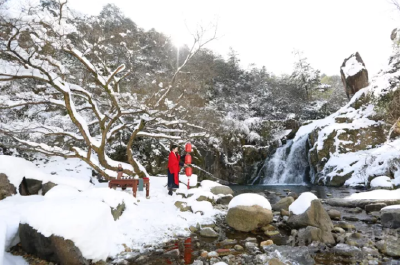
pixel 188 148
pixel 188 171
pixel 188 159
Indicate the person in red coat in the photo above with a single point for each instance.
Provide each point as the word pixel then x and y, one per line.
pixel 174 164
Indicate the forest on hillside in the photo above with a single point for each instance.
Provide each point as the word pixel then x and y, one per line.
pixel 156 94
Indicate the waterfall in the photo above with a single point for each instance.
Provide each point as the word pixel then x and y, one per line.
pixel 288 165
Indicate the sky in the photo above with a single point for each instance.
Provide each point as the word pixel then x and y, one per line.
pixel 266 32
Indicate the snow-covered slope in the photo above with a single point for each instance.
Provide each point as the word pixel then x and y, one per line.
pixel 352 146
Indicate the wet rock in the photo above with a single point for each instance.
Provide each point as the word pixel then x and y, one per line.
pixel 238 248
pixel 251 239
pixel 370 251
pixel 208 232
pixel 225 200
pixel 284 212
pixel 117 212
pixel 47 186
pixel 204 254
pixel 315 216
pixel 182 206
pixel 53 248
pixel 334 214
pixel 390 217
pixel 347 251
pixel 390 245
pixel 252 248
pixel 212 254
pixel 225 190
pixel 248 218
pixel 374 207
pixel 301 255
pixel 345 226
pixel 223 252
pixel 275 261
pixel 351 218
pixel 357 239
pixel 310 234
pixel 293 194
pixel 227 242
pixel 266 243
pixel 6 188
pixel 354 210
pixel 283 204
pixel 339 230
pixel 261 258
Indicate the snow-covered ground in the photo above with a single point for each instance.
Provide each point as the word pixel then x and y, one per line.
pixel 376 195
pixel 80 211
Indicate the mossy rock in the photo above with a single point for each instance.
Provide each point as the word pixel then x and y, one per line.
pixel 117 212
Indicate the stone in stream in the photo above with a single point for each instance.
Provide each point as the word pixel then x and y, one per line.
pixel 238 248
pixel 248 218
pixel 347 251
pixel 390 217
pixel 339 230
pixel 345 225
pixel 266 243
pixel 351 218
pixel 275 261
pixel 334 214
pixel 354 210
pixel 315 216
pixel 208 232
pixel 284 212
pixel 252 248
pixel 301 255
pixel 374 207
pixel 283 204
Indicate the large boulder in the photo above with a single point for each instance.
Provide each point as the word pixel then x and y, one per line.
pixel 54 248
pixel 354 74
pixel 225 190
pixel 390 217
pixel 248 218
pixel 300 255
pixel 248 212
pixel 315 216
pixel 6 188
pixel 283 203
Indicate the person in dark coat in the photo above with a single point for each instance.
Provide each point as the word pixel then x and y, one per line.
pixel 174 165
pixel 120 171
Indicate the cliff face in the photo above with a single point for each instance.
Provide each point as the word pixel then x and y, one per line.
pixel 361 140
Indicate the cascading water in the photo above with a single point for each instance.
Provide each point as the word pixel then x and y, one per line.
pixel 288 165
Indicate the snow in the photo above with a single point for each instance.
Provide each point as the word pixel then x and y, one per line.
pixel 381 182
pixel 209 184
pixel 17 168
pixel 83 215
pixel 376 195
pixel 249 199
pixel 391 207
pixel 352 67
pixel 10 259
pixel 302 203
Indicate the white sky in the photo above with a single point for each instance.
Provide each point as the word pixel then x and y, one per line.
pixel 265 32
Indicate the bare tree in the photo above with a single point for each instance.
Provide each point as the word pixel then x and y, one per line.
pixel 70 97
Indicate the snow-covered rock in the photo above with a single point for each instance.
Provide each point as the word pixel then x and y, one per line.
pixel 354 74
pixel 302 203
pixel 390 216
pixel 250 199
pixel 249 211
pixel 382 182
